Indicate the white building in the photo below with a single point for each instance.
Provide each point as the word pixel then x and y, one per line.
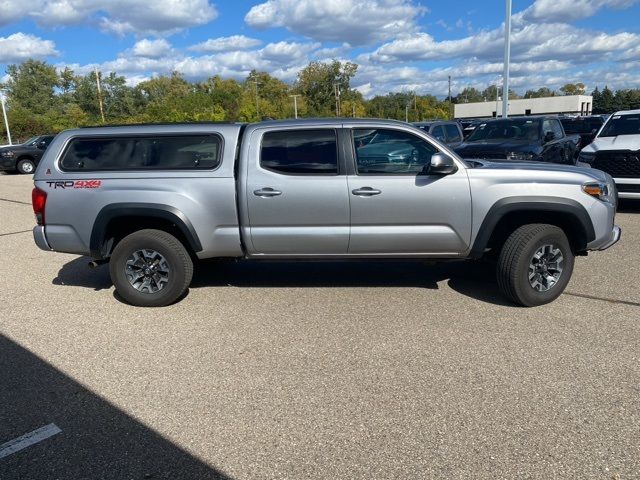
pixel 570 104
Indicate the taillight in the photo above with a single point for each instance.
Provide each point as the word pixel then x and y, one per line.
pixel 38 200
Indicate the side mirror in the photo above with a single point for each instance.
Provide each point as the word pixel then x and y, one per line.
pixel 441 164
pixel 42 145
pixel 548 136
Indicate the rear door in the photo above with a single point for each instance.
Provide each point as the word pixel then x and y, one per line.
pixel 396 209
pixel 296 193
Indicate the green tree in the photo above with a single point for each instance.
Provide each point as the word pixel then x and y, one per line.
pixel 32 86
pixel 540 93
pixel 320 83
pixel 468 95
pixel 573 89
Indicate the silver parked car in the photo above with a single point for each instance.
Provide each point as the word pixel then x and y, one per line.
pixel 152 199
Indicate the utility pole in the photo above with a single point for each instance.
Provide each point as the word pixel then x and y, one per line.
pixel 257 100
pixel 336 91
pixel 99 94
pixel 497 98
pixel 406 113
pixel 507 55
pixel 6 121
pixel 295 104
pixel 450 105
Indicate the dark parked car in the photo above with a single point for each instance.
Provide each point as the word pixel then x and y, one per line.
pixel 468 126
pixel 445 131
pixel 539 139
pixel 586 127
pixel 24 157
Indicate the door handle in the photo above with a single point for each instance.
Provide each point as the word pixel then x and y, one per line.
pixel 366 191
pixel 267 192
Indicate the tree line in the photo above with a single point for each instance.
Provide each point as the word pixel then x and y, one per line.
pixel 43 99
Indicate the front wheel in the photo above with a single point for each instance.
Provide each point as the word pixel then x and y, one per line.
pixel 26 166
pixel 535 264
pixel 150 268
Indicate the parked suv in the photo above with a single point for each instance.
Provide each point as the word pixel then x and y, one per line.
pixel 24 157
pixel 616 150
pixel 586 127
pixel 444 131
pixel 151 200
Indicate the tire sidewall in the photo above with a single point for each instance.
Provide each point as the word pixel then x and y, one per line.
pixel 117 265
pixel 26 161
pixel 526 292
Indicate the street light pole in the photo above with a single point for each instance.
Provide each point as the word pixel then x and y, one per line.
pixel 507 55
pixel 6 121
pixel 336 91
pixel 295 104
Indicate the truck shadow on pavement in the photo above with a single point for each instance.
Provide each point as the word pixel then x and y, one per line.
pixel 97 439
pixel 472 279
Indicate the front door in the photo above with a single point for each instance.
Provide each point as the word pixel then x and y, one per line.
pixel 398 209
pixel 297 197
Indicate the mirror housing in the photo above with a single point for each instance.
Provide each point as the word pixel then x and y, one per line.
pixel 41 145
pixel 548 136
pixel 441 164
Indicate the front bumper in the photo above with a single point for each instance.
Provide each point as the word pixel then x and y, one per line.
pixel 613 239
pixel 40 238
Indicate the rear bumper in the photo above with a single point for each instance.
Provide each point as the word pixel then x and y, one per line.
pixel 40 238
pixel 613 239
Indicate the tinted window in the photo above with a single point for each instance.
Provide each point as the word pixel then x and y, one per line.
pixel 438 132
pixel 391 152
pixel 621 125
pixel 142 153
pixel 453 133
pixel 557 128
pixel 515 129
pixel 300 152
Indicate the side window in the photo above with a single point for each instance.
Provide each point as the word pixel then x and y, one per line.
pixel 438 132
pixel 142 153
pixel 390 152
pixel 557 128
pixel 453 133
pixel 300 152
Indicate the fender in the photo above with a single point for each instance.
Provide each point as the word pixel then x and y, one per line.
pixel 531 204
pixel 149 210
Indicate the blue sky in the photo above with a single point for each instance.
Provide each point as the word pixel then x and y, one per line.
pixel 400 45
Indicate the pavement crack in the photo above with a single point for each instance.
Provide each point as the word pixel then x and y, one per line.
pixel 14 201
pixel 602 299
pixel 13 233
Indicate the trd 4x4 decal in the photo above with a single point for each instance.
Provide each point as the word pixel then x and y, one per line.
pixel 75 184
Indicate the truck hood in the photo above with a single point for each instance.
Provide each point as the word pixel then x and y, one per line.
pixel 538 167
pixel 621 142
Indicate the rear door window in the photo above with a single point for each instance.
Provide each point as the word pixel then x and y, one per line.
pixel 300 152
pixel 453 133
pixel 186 152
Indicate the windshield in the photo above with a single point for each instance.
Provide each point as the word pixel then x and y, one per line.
pixel 621 125
pixel 581 125
pixel 527 130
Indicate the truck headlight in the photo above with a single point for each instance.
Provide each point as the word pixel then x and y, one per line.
pixel 7 153
pixel 601 191
pixel 587 157
pixel 520 156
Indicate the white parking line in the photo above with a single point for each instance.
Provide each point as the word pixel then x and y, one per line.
pixel 28 439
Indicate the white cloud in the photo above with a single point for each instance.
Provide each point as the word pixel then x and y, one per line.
pixel 151 48
pixel 21 46
pixel 357 22
pixel 224 44
pixel 120 17
pixel 569 10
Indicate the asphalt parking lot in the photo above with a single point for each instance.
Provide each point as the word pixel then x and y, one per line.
pixel 294 370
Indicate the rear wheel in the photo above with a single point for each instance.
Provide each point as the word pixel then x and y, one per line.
pixel 535 264
pixel 26 166
pixel 150 268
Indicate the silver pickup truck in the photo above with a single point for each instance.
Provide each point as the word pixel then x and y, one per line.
pixel 152 199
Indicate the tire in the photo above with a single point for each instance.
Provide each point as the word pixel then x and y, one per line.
pixel 26 166
pixel 528 271
pixel 163 261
